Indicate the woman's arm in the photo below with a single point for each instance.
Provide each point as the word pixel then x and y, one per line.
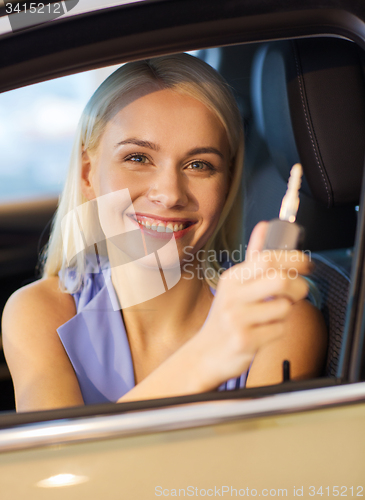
pixel 303 341
pixel 189 371
pixel 254 316
pixel 42 374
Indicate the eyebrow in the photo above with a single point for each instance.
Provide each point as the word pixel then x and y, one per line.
pixel 202 151
pixel 139 142
pixel 156 147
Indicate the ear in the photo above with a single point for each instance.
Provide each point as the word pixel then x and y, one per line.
pixel 86 176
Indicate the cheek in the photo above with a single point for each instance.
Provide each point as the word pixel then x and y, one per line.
pixel 212 202
pixel 112 179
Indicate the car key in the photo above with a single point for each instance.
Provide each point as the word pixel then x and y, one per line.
pixel 284 233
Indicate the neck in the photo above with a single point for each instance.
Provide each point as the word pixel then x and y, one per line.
pixel 172 315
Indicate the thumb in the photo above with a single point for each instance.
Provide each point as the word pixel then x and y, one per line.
pixel 257 239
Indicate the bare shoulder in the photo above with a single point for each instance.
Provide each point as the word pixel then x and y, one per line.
pixel 306 340
pixel 308 323
pixel 304 311
pixel 42 301
pixel 32 315
pixel 304 344
pixel 42 374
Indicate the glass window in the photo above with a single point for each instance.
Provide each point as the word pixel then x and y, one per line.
pixel 37 126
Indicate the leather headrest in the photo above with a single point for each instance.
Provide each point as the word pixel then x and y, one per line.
pixel 309 104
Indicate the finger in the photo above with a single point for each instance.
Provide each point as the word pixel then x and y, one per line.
pixel 262 313
pixel 249 338
pixel 264 334
pixel 293 266
pixel 282 259
pixel 293 288
pixel 287 258
pixel 257 239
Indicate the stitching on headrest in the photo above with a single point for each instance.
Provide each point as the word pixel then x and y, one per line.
pixel 301 85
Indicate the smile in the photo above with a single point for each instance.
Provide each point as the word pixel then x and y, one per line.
pixel 161 225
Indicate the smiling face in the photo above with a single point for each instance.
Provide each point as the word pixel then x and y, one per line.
pixel 172 154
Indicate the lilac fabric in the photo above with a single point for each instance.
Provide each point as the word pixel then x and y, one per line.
pixel 97 344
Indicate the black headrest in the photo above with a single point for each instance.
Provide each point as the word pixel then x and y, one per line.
pixel 309 103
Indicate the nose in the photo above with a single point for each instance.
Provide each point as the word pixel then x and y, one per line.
pixel 169 189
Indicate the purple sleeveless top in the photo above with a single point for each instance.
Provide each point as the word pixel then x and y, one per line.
pixel 96 341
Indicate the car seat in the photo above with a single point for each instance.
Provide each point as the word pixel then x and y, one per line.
pixel 308 103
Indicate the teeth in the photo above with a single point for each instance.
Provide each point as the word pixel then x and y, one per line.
pixel 160 227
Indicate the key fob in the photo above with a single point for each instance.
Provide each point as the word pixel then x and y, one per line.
pixel 284 235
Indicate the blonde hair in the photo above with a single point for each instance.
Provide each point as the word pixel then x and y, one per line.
pixel 185 75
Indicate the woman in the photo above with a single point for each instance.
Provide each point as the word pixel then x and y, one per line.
pixel 157 157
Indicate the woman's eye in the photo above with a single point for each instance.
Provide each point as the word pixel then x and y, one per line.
pixel 138 158
pixel 200 165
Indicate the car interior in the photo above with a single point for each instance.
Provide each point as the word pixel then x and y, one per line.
pixel 299 96
pixel 302 101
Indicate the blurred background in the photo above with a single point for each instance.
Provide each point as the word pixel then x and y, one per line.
pixel 37 126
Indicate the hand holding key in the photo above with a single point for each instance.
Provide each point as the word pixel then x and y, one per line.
pixel 248 313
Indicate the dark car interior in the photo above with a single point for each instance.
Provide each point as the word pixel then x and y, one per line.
pixel 302 101
pixel 296 102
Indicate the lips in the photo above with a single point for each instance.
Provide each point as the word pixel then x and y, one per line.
pixel 161 225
